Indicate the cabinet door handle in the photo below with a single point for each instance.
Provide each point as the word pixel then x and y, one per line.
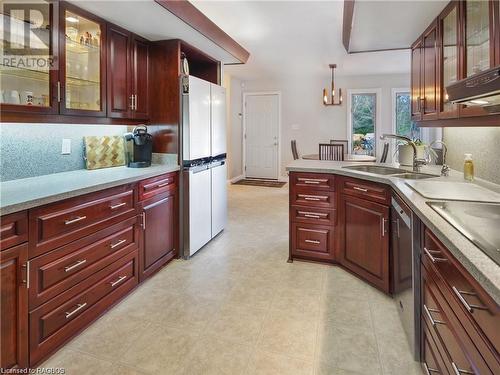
pixel 383 227
pixel 428 313
pixel 428 369
pixel 58 91
pixel 114 207
pixel 131 102
pixel 112 246
pixel 143 220
pixel 313 241
pixel 432 258
pixel 76 265
pixel 135 102
pixel 459 371
pixel 80 307
pixel 26 280
pixel 360 189
pixel 118 281
pixel 75 220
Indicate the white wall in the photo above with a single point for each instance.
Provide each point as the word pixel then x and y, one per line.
pixel 306 119
pixel 234 126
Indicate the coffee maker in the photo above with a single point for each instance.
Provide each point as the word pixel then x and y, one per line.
pixel 142 147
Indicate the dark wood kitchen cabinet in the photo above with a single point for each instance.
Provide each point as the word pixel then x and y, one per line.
pixel 127 74
pixel 416 80
pixel 364 239
pixel 159 223
pixel 14 307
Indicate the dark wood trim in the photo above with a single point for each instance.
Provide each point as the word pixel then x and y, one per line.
pixel 347 23
pixel 188 13
pixel 21 117
pixel 379 50
pixel 496 25
pixel 493 120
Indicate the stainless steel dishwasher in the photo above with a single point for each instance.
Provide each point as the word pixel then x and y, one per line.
pixel 405 269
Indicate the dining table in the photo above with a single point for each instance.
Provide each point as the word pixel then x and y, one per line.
pixel 347 157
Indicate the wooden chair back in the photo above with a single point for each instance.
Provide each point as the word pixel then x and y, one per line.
pixel 341 142
pixel 329 151
pixel 295 153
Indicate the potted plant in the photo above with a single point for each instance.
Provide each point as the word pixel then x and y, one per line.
pixel 405 152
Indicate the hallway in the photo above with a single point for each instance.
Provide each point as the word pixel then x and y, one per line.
pixel 237 307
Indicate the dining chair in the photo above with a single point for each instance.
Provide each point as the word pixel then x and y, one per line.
pixel 341 142
pixel 295 153
pixel 385 151
pixel 331 151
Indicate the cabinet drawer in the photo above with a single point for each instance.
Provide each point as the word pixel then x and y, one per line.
pixel 466 295
pixel 367 190
pixel 312 241
pixel 59 223
pixel 432 361
pixel 303 197
pixel 55 322
pixel 459 351
pixel 313 181
pixel 307 215
pixel 13 229
pixel 157 185
pixel 59 270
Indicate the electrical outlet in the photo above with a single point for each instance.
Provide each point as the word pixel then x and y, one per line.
pixel 66 146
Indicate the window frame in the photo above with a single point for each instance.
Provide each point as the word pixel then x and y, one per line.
pixel 394 93
pixel 378 115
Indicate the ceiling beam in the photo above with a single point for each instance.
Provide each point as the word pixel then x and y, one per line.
pixel 347 23
pixel 192 16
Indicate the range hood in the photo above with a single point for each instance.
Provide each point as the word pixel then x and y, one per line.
pixel 481 89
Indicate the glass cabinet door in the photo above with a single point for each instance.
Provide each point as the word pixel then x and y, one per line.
pixel 28 68
pixel 478 35
pixel 83 63
pixel 449 52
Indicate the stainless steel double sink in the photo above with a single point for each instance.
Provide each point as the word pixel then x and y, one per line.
pixel 389 171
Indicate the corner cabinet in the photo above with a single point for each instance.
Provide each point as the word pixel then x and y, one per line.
pixel 462 41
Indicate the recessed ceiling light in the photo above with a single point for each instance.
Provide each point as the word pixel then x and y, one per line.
pixel 479 102
pixel 72 19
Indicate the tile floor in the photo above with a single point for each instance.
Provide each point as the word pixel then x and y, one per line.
pixel 237 307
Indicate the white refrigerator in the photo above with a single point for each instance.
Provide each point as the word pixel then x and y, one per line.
pixel 204 162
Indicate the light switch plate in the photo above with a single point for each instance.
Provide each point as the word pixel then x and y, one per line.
pixel 66 146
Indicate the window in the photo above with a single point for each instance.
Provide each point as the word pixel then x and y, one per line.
pixel 364 115
pixel 402 115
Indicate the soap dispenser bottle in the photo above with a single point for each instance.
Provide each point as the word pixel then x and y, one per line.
pixel 468 168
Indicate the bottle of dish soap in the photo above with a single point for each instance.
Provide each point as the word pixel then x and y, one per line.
pixel 468 168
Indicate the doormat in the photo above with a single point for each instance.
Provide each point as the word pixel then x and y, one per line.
pixel 265 183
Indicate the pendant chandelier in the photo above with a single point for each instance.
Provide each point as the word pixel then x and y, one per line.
pixel 325 91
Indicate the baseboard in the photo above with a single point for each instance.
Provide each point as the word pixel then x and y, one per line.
pixel 236 179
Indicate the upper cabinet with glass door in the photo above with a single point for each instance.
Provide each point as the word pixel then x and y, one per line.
pixel 83 70
pixel 29 66
pixel 450 67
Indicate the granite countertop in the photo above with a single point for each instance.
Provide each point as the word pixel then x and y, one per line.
pixel 481 267
pixel 25 193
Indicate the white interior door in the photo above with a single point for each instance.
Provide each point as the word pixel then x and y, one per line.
pixel 261 135
pixel 218 119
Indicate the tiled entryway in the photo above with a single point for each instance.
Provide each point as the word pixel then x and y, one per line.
pixel 238 307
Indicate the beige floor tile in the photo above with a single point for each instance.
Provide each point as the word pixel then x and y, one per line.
pixel 291 334
pixel 237 324
pixel 215 356
pixel 109 337
pixel 265 363
pixel 297 301
pixel 345 310
pixel 160 350
pixel 253 296
pixel 322 368
pixel 76 363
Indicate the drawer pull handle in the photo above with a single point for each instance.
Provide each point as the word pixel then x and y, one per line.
pixel 360 189
pixel 312 216
pixel 432 258
pixel 75 220
pixel 311 199
pixel 459 371
pixel 470 308
pixel 76 265
pixel 162 185
pixel 116 282
pixel 80 307
pixel 118 205
pixel 428 369
pixel 112 246
pixel 314 181
pixel 428 313
pixel 313 241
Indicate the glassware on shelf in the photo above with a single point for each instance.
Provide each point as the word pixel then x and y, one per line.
pixel 450 55
pixel 83 63
pixel 477 36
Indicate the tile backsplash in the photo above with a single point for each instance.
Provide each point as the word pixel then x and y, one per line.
pixel 28 150
pixel 482 142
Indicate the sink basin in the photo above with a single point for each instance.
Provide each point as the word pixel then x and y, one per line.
pixel 377 169
pixel 414 176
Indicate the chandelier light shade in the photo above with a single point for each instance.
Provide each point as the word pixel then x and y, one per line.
pixel 332 101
